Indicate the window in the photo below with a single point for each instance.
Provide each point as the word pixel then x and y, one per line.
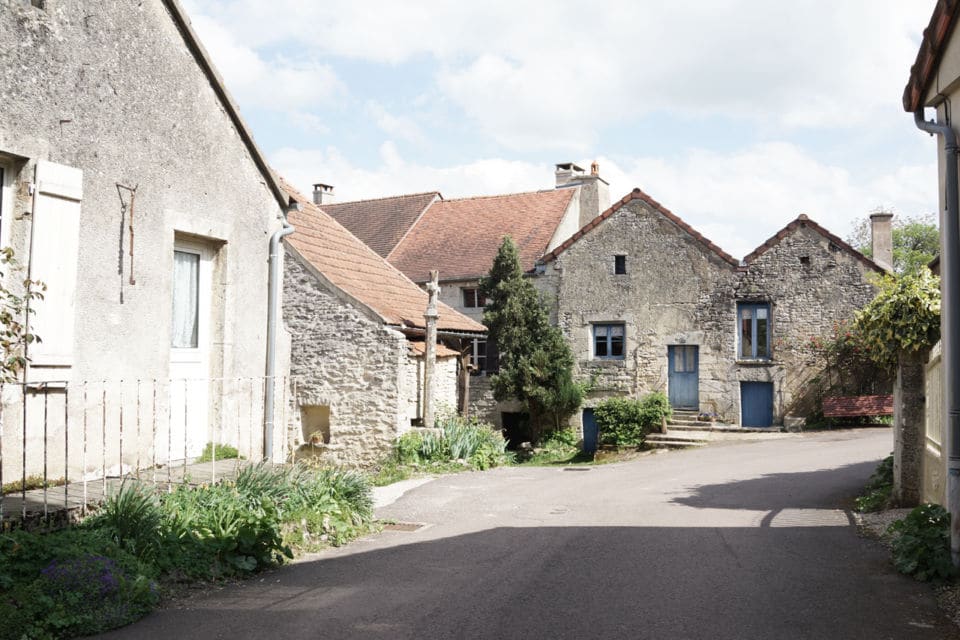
pixel 619 265
pixel 608 341
pixel 186 303
pixel 753 327
pixel 472 298
pixel 478 356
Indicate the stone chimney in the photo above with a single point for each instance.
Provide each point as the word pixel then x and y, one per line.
pixel 594 190
pixel 322 193
pixel 881 239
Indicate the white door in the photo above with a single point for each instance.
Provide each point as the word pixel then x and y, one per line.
pixel 189 351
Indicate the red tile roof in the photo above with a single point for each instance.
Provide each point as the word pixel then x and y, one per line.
pixel 418 349
pixel 355 269
pixel 460 238
pixel 853 406
pixel 381 223
pixel 803 221
pixel 935 38
pixel 637 194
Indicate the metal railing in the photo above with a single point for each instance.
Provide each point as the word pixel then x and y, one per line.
pixel 62 442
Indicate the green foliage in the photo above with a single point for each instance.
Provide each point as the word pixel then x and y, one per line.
pixel 222 451
pixel 876 494
pixel 557 447
pixel 132 517
pixel 625 421
pixel 14 334
pixel 916 241
pixel 904 317
pixel 535 362
pixel 474 443
pixel 921 544
pixel 31 482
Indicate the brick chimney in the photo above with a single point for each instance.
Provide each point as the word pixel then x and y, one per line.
pixel 594 191
pixel 322 193
pixel 881 239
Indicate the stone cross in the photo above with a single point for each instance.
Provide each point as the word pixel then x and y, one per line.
pixel 430 347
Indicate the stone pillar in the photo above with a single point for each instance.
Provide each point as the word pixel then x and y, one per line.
pixel 430 348
pixel 908 425
pixel 464 383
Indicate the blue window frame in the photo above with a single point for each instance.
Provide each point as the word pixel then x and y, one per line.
pixel 608 341
pixel 753 330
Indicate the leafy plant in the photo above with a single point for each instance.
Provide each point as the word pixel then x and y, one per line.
pixel 921 544
pixel 222 451
pixel 15 334
pixel 132 517
pixel 876 494
pixel 904 317
pixel 625 421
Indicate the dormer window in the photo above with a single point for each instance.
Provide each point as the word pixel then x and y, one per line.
pixel 619 265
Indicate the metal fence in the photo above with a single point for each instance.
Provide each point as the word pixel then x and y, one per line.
pixel 62 443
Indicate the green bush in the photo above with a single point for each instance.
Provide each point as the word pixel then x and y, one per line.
pixel 876 494
pixel 459 438
pixel 921 544
pixel 132 517
pixel 222 451
pixel 625 421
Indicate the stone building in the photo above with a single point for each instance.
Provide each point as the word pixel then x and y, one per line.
pixel 357 330
pixel 418 233
pixel 130 185
pixel 648 304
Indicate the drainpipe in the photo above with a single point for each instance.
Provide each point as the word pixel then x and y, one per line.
pixel 273 305
pixel 950 322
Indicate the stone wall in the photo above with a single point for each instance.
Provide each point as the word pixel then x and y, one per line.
pixel 347 361
pixel 444 389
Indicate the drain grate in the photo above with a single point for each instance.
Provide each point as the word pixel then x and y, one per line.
pixel 403 526
pixel 576 468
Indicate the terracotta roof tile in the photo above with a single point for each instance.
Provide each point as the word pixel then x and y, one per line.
pixel 935 37
pixel 460 238
pixel 418 348
pixel 801 222
pixel 355 269
pixel 381 223
pixel 637 194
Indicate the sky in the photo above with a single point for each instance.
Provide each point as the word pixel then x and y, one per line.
pixel 737 115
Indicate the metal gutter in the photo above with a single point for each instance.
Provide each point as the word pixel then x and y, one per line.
pixel 273 305
pixel 949 319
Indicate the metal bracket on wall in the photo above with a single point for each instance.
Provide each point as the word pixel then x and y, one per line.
pixel 132 192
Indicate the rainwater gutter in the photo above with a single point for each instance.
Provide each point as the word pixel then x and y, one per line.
pixel 950 320
pixel 273 308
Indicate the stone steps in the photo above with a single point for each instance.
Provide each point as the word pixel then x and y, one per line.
pixel 674 441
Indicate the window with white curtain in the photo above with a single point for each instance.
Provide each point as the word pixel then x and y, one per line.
pixel 186 300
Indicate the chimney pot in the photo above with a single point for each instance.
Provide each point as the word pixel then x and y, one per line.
pixel 881 239
pixel 322 193
pixel 568 172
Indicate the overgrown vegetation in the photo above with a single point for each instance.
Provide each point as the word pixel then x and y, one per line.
pixel 468 442
pixel 15 335
pixel 110 569
pixel 535 362
pixel 921 544
pixel 217 451
pixel 904 317
pixel 31 482
pixel 876 494
pixel 626 421
pixel 559 447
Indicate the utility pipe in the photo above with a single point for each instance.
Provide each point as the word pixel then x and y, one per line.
pixel 949 321
pixel 273 305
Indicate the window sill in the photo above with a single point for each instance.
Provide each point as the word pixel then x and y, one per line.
pixel 756 362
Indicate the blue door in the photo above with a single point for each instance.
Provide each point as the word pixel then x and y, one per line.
pixel 683 376
pixel 590 431
pixel 756 404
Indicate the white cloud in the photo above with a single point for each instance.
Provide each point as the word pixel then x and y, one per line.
pixel 738 200
pixel 400 127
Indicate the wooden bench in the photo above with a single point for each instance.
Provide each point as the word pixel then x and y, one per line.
pixel 857 406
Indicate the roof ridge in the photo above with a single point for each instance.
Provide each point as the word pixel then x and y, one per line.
pixel 803 220
pixel 639 194
pixel 403 195
pixel 501 195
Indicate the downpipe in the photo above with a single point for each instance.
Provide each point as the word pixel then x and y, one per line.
pixel 273 308
pixel 950 321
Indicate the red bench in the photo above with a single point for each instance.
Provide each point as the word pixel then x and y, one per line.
pixel 857 406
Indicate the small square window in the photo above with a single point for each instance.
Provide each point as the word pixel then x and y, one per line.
pixel 472 298
pixel 608 341
pixel 619 265
pixel 804 261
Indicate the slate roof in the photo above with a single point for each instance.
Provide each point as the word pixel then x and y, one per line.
pixel 381 223
pixel 460 237
pixel 935 38
pixel 359 272
pixel 637 194
pixel 803 221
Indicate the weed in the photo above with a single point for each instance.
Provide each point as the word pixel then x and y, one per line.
pixel 222 451
pixel 921 544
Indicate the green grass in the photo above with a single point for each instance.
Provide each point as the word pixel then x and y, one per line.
pixel 223 452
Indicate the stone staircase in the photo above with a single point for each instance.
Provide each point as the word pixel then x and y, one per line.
pixel 684 431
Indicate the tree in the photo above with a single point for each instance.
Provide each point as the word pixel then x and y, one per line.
pixel 916 241
pixel 903 318
pixel 536 364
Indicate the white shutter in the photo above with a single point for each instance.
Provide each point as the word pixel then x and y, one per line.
pixel 55 247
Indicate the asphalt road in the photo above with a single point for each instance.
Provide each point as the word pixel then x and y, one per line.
pixel 747 540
